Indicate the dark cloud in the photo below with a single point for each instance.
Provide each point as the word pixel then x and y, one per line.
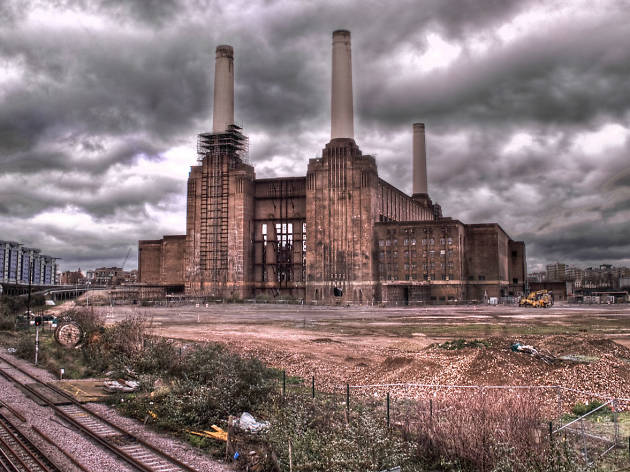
pixel 527 125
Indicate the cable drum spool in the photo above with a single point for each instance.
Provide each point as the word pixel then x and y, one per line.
pixel 69 334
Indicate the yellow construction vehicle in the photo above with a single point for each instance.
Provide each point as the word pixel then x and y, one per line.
pixel 537 299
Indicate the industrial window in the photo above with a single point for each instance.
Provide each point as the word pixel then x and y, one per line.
pixel 264 234
pixel 442 241
pixel 406 242
pixel 408 277
pixel 450 277
pixel 450 240
pixel 425 266
pixel 395 254
pixel 395 242
pixel 381 242
pixel 444 277
pixel 406 266
pixel 424 242
pixel 413 242
pixel 442 299
pixel 450 265
pixel 284 234
pixel 482 277
pixel 406 254
pixel 514 281
pixel 426 276
pixel 388 242
pixel 432 241
pixel 432 252
pixel 284 238
pixel 381 254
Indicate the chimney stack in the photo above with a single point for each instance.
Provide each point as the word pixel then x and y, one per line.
pixel 223 111
pixel 419 160
pixel 342 114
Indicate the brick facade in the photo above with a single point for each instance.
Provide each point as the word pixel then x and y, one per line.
pixel 338 235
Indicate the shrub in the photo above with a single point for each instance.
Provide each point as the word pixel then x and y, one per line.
pixel 580 409
pixel 322 440
pixel 482 430
pixel 462 343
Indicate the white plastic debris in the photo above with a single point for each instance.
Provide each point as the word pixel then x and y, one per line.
pixel 125 386
pixel 248 423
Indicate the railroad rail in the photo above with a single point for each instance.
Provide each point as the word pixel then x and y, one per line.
pixel 123 444
pixel 18 454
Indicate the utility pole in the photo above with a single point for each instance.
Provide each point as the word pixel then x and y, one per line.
pixel 30 280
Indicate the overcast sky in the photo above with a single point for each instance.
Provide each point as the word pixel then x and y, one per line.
pixel 526 103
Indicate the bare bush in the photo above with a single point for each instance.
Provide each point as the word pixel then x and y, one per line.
pixel 127 337
pixel 90 321
pixel 482 430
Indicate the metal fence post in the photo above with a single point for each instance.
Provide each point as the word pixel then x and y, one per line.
pixel 284 382
pixel 387 410
pixel 615 421
pixel 348 400
pixel 550 431
pixel 584 441
pixel 313 386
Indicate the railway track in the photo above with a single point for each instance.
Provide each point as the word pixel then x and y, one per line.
pixel 133 450
pixel 18 454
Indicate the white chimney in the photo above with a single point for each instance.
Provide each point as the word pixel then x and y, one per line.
pixel 419 160
pixel 223 111
pixel 342 114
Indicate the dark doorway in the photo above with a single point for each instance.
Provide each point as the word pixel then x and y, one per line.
pixel 406 296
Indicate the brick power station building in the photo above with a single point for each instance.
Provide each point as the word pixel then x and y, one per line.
pixel 340 234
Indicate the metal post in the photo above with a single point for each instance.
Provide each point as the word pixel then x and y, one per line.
pixel 28 303
pixel 431 408
pixel 550 431
pixel 584 441
pixel 387 410
pixel 313 386
pixel 615 421
pixel 284 382
pixel 36 343
pixel 348 400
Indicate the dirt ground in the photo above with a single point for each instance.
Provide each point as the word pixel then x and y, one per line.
pixel 369 345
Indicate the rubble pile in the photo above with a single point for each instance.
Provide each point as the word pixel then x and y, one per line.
pixel 605 371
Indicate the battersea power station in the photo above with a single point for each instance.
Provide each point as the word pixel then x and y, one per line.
pixel 339 235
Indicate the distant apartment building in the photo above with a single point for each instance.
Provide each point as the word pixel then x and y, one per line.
pixel 71 277
pixel 556 272
pixel 605 277
pixel 537 277
pixel 108 276
pixel 17 262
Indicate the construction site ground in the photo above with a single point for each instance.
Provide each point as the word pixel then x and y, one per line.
pixel 372 345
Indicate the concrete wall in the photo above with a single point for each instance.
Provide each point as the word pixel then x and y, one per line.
pixel 172 260
pixel 149 261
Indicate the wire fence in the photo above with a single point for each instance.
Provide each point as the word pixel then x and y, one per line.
pixel 594 432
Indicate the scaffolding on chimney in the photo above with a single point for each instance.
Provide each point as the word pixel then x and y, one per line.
pixel 232 142
pixel 218 153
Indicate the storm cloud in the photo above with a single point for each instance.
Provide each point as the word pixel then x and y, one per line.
pixel 527 107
